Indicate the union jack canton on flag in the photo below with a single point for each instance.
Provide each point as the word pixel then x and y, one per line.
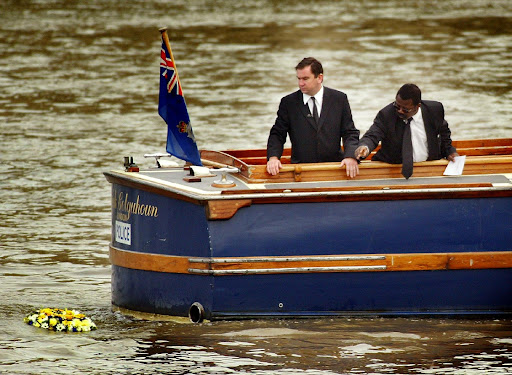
pixel 173 109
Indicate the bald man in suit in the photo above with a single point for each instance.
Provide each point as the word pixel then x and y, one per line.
pixel 316 118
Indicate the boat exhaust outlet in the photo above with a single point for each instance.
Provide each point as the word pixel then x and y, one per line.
pixel 196 312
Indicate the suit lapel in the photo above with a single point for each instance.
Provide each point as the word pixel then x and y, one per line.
pixel 399 129
pixel 326 105
pixel 429 130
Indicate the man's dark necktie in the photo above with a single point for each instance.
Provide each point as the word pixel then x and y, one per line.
pixel 315 111
pixel 407 150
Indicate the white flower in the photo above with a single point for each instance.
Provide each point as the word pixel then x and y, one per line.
pixel 60 320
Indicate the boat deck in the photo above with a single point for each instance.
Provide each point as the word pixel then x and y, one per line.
pixel 204 185
pixel 228 182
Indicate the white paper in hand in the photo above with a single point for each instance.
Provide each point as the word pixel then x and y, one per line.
pixel 455 168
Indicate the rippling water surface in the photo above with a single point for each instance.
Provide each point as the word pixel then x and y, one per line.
pixel 79 91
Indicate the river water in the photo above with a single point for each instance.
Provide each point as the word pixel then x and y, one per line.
pixel 79 91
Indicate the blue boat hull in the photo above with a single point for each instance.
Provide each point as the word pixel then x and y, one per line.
pixel 180 228
pixel 304 295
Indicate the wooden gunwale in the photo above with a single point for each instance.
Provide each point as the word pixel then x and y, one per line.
pixel 474 165
pixel 485 156
pixel 478 147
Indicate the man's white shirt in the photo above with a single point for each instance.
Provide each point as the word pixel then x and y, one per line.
pixel 419 138
pixel 319 97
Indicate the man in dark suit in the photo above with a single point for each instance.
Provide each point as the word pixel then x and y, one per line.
pixel 408 121
pixel 316 118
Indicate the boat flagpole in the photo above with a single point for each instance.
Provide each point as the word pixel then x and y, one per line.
pixel 173 109
pixel 165 39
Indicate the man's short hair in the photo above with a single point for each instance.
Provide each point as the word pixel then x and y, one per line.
pixel 316 66
pixel 410 91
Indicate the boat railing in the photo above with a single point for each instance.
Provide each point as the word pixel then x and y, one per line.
pixel 483 156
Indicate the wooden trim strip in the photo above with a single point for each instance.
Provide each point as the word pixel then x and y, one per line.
pixel 475 165
pixel 148 262
pixel 491 142
pixel 225 209
pixel 471 185
pixel 311 264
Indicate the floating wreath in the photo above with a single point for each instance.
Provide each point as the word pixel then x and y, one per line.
pixel 60 320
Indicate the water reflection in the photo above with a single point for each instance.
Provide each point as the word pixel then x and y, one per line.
pixel 79 92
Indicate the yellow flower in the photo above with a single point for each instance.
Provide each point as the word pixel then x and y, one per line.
pixel 60 320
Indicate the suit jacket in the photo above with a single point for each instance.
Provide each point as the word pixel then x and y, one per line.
pixel 388 129
pixel 312 143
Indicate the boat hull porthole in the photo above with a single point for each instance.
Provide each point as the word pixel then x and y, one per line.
pixel 196 312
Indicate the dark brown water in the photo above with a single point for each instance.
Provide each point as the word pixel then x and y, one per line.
pixel 79 91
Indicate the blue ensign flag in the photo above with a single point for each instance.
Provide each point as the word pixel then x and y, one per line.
pixel 173 109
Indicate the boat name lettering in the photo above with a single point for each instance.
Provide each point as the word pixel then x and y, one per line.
pixel 125 207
